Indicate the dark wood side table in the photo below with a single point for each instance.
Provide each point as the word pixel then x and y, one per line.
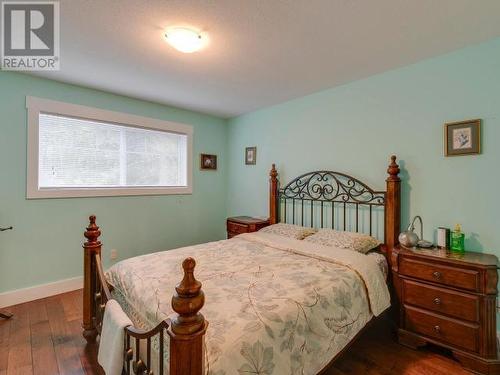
pixel 449 299
pixel 244 224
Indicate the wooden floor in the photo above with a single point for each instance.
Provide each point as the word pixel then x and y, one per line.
pixel 44 337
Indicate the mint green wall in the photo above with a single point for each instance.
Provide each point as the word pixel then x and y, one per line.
pixel 45 244
pixel 355 127
pixel 352 128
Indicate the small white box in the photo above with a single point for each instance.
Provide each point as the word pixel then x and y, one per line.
pixel 443 237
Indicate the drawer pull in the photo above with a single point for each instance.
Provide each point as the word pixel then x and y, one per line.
pixel 436 274
pixel 437 329
pixel 437 301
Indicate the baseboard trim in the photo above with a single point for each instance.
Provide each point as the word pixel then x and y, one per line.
pixel 18 296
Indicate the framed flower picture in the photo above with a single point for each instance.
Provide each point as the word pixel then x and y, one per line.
pixel 462 138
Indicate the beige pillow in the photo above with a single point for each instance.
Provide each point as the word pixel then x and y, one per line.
pixel 345 240
pixel 289 230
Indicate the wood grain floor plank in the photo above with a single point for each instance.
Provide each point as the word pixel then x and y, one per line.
pixel 78 300
pixel 37 311
pixel 71 308
pixel 19 359
pixel 4 345
pixel 68 360
pixel 42 349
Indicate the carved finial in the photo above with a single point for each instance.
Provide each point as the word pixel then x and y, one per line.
pixel 189 286
pixel 187 302
pixel 393 169
pixel 273 173
pixel 92 233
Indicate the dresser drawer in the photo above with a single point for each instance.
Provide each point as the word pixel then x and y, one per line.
pixel 456 304
pixel 236 228
pixel 452 276
pixel 441 328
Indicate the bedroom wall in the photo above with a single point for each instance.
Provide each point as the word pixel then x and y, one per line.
pixel 45 244
pixel 354 128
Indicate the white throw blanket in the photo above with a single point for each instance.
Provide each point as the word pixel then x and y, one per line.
pixel 110 355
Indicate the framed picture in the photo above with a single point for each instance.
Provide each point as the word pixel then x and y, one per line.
pixel 250 155
pixel 462 138
pixel 208 162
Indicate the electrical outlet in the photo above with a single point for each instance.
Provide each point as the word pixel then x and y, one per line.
pixel 114 254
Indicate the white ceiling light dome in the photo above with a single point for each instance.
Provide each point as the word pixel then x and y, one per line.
pixel 185 39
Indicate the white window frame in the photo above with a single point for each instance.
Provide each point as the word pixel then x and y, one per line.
pixel 35 106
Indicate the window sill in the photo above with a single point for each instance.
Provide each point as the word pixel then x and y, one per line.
pixel 106 192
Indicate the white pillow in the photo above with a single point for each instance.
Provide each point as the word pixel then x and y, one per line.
pixel 345 240
pixel 289 230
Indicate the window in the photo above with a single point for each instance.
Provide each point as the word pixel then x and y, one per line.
pixel 76 151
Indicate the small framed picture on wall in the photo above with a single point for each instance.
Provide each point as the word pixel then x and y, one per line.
pixel 208 162
pixel 250 155
pixel 462 138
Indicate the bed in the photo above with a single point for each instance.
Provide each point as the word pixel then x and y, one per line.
pixel 276 304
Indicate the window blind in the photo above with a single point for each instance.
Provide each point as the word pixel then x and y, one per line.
pixel 83 153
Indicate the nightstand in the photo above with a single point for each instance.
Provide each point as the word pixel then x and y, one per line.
pixel 244 224
pixel 448 299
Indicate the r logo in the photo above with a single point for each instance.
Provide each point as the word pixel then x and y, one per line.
pixel 30 38
pixel 29 29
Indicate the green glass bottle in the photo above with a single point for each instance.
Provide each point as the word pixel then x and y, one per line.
pixel 457 240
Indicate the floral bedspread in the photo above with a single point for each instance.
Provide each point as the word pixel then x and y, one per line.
pixel 275 305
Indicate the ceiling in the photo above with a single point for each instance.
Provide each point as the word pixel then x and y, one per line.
pixel 260 52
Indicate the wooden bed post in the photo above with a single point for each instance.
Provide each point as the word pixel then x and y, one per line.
pixel 393 207
pixel 187 330
pixel 273 195
pixel 90 248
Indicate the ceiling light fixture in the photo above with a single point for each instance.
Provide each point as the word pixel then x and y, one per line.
pixel 184 39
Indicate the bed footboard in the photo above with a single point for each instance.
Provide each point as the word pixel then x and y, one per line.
pixel 186 330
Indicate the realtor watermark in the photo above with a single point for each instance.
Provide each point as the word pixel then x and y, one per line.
pixel 30 35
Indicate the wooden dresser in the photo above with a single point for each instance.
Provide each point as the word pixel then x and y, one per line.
pixel 244 224
pixel 448 299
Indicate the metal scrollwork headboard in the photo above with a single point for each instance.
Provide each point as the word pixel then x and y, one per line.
pixel 337 200
pixel 331 186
